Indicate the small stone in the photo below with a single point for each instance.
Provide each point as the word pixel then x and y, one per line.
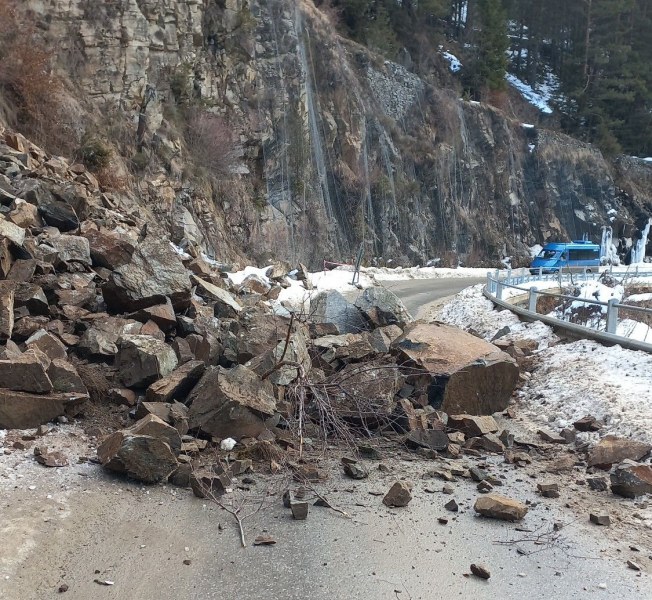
pixel 587 423
pixel 442 520
pixel 484 487
pixel 548 490
pixel 500 507
pixel 599 519
pixel 633 566
pixel 264 540
pixel 398 495
pixel 598 484
pixel 299 510
pixel 355 471
pixel 477 474
pixel 187 561
pixel 63 588
pixel 480 571
pixel 451 505
pixel 553 438
pixel 448 489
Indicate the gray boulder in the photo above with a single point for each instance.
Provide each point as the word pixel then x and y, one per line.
pixel 331 307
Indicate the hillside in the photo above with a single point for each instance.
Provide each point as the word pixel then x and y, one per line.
pixel 256 130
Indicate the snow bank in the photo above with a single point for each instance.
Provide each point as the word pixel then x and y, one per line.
pixel 634 330
pixel 596 291
pixel 538 99
pixel 401 274
pixel 638 298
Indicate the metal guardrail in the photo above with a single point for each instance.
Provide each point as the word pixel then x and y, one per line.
pixel 496 285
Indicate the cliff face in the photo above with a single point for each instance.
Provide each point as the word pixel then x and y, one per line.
pixel 334 146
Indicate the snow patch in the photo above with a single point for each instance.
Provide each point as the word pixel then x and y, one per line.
pixel 539 99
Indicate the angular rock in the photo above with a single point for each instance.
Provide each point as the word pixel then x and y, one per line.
pixel 123 397
pixel 205 482
pixel 64 377
pixel 355 471
pixel 473 426
pixel 500 507
pixel 226 306
pixel 400 494
pixel 295 351
pixel 612 449
pixel 551 437
pixel 47 343
pixel 108 250
pixel 26 373
pixel 11 231
pixel 435 439
pixel 254 284
pixel 598 484
pixel 154 427
pixel 231 403
pixel 140 457
pixel 382 307
pixel 599 519
pixel 587 423
pixel 142 360
pixel 631 479
pixel 480 571
pixel 32 297
pixel 154 272
pixel 489 442
pixel 331 307
pixel 70 249
pixel 10 351
pixel 161 314
pixel 7 292
pixel 25 215
pixel 23 270
pixel 54 211
pixel 20 410
pixel 452 506
pixel 51 459
pixel 182 350
pixel 299 509
pixel 178 384
pixel 459 373
pixel 548 490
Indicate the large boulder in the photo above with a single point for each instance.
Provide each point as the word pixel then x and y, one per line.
pixel 157 428
pixel 47 343
pixel 154 272
pixel 331 307
pixel 21 410
pixel 26 373
pixel 294 351
pixel 55 211
pixel 69 248
pixel 64 377
pixel 456 371
pixel 231 403
pixel 108 250
pixel 382 307
pixel 500 507
pixel 142 457
pixel 142 360
pixel 226 306
pixel 612 449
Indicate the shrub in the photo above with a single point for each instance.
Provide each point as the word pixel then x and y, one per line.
pixel 95 154
pixel 211 142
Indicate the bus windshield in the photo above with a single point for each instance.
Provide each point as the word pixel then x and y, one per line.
pixel 547 254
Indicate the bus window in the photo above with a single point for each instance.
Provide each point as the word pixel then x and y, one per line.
pixel 583 254
pixel 548 254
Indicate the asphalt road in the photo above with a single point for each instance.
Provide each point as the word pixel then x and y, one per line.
pixel 418 294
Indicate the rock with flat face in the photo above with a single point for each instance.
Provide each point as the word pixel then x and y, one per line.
pixel 47 343
pixel 108 250
pixel 157 428
pixel 142 360
pixel 26 373
pixel 231 403
pixel 64 377
pixel 399 495
pixel 70 248
pixel 21 410
pixel 631 479
pixel 142 457
pixel 458 372
pixel 154 272
pixel 500 507
pixel 295 351
pixel 472 426
pixel 56 212
pixel 11 231
pixel 161 314
pixel 178 384
pixel 331 307
pixel 382 308
pixel 225 306
pixel 612 449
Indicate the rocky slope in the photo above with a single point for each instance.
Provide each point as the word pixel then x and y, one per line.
pixel 331 145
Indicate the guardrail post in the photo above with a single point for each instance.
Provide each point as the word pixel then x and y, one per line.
pixel 532 300
pixel 612 315
pixel 560 278
pixel 540 272
pixel 499 290
pixel 490 286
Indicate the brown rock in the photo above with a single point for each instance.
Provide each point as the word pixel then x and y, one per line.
pixel 176 385
pixel 460 373
pixel 587 423
pixel 20 410
pixel 400 494
pixel 473 426
pixel 500 507
pixel 225 306
pixel 22 271
pixel 611 449
pixel 154 427
pixel 123 396
pixel 25 214
pixel 435 439
pixel 70 249
pixel 32 297
pixel 548 490
pixel 140 457
pixel 205 482
pixel 489 442
pixel 161 314
pixel 142 360
pixel 52 459
pixel 480 571
pixel 64 377
pixel 108 250
pixel 382 307
pixel 553 438
pixel 47 343
pixel 182 350
pixel 7 292
pixel 231 403
pixel 631 479
pixel 26 373
pixel 254 284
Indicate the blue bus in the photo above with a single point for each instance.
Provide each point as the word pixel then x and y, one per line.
pixel 576 256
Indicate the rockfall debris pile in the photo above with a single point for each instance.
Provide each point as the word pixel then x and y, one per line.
pixel 215 378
